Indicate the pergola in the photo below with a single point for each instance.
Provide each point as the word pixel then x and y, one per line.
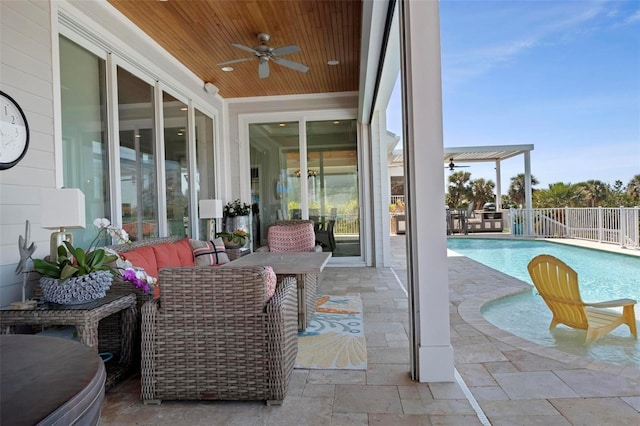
pixel 495 153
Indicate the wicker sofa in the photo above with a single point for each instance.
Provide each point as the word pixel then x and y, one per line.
pixel 210 334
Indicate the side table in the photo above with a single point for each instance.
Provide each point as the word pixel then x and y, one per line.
pixel 86 318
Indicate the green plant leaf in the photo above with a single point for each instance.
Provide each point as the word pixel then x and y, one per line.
pixel 47 269
pixel 62 251
pixel 68 271
pixel 95 258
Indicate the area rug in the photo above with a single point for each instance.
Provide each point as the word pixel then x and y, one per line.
pixel 334 338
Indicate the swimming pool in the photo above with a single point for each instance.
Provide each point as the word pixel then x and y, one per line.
pixel 602 276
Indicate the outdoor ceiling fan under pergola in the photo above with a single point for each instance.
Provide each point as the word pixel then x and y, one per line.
pixel 452 165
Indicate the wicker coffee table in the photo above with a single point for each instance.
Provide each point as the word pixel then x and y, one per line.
pixel 116 334
pixel 306 267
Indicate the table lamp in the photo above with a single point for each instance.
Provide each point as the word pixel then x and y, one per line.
pixel 210 209
pixel 61 209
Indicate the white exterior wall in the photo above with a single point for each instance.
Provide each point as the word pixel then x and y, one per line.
pixel 381 191
pixel 26 75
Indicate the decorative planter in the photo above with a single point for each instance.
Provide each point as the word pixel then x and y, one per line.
pixel 233 224
pixel 230 244
pixel 517 228
pixel 76 290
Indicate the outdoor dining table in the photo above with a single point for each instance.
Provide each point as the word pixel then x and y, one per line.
pixel 305 266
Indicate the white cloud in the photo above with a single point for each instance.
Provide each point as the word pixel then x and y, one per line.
pixel 635 17
pixel 534 26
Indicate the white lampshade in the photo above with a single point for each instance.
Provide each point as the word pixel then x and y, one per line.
pixel 62 208
pixel 210 209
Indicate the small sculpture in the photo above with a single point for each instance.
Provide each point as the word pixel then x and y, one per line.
pixel 26 250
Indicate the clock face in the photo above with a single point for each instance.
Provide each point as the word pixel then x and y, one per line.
pixel 14 132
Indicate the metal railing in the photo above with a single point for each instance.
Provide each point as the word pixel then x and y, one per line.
pixel 347 224
pixel 396 198
pixel 614 225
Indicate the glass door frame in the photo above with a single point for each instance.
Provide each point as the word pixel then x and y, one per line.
pixel 244 120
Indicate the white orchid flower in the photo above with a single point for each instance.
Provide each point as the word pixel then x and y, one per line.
pixel 102 222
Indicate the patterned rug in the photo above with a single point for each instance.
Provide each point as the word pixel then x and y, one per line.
pixel 334 339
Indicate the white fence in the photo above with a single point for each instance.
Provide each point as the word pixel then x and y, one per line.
pixel 347 224
pixel 615 225
pixel 396 198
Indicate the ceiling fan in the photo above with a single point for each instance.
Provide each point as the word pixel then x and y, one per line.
pixel 452 165
pixel 265 53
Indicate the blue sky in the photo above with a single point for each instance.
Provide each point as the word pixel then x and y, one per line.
pixel 561 75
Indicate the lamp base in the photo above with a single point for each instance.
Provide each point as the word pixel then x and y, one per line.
pixel 58 239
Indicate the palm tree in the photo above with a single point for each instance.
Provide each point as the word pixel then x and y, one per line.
pixel 482 192
pixel 459 190
pixel 559 194
pixel 517 187
pixel 594 192
pixel 633 189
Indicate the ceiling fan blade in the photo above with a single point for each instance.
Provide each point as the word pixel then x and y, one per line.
pixel 245 48
pixel 290 64
pixel 285 50
pixel 235 60
pixel 263 69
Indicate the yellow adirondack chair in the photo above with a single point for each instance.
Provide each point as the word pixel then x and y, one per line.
pixel 557 283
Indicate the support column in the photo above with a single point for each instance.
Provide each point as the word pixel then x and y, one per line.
pixel 527 181
pixel 432 353
pixel 498 188
pixel 528 204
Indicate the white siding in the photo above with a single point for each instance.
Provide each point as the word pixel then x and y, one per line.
pixel 26 75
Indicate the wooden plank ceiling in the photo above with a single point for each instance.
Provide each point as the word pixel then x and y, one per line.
pixel 200 33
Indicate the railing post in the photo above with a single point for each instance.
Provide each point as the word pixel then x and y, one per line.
pixel 600 224
pixel 636 226
pixel 511 230
pixel 623 226
pixel 567 222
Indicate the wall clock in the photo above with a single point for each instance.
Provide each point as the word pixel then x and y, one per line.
pixel 14 132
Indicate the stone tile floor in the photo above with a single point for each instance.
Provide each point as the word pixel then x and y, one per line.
pixel 514 382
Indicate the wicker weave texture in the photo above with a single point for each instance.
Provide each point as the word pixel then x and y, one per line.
pixel 210 336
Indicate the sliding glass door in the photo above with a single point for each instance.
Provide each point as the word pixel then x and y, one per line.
pixel 333 196
pixel 321 184
pixel 275 187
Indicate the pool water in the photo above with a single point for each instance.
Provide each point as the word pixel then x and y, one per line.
pixel 602 276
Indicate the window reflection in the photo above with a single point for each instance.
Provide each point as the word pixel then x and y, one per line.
pixel 137 157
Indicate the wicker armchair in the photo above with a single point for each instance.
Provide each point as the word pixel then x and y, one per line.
pixel 210 336
pixel 294 235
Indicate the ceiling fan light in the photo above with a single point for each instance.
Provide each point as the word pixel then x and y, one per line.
pixel 227 69
pixel 333 62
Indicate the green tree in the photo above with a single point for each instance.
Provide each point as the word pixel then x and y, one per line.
pixel 633 189
pixel 559 194
pixel 517 188
pixel 593 192
pixel 482 192
pixel 459 191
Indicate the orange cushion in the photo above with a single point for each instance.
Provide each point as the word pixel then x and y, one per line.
pixel 145 258
pixel 166 255
pixel 184 252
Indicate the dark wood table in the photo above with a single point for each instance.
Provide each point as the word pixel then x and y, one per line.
pixel 49 381
pixel 306 267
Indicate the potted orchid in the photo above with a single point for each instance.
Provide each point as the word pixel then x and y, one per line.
pixel 80 276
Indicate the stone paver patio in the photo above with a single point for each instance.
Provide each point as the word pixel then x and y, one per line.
pixel 511 380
